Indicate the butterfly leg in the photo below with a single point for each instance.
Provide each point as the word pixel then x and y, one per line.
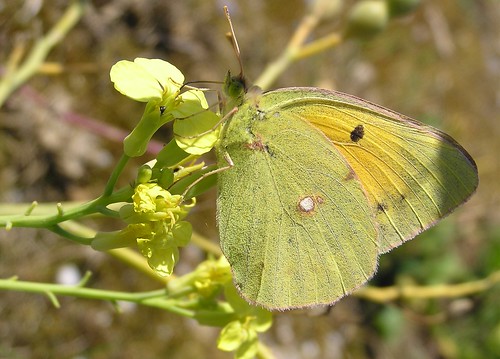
pixel 230 164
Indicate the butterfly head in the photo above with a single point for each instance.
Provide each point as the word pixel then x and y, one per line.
pixel 235 88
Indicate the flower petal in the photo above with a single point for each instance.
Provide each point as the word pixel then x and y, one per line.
pixel 169 76
pixel 134 81
pixel 192 102
pixel 193 120
pixel 231 336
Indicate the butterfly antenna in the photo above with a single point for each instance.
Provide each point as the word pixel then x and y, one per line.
pixel 232 38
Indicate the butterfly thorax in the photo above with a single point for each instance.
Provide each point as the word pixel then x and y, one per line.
pixel 238 130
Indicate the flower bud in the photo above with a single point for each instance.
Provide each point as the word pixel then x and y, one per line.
pixel 367 18
pixel 144 174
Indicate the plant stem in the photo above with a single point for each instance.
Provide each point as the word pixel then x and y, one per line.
pixel 43 221
pixel 115 174
pixel 69 235
pixel 277 67
pixel 387 294
pixel 157 298
pixel 16 76
pixel 49 221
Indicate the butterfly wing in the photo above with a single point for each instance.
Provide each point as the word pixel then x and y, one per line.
pixel 295 222
pixel 413 174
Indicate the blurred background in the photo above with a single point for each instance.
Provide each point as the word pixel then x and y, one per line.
pixel 440 65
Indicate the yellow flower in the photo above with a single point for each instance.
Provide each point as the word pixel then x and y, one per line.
pixel 146 79
pixel 159 83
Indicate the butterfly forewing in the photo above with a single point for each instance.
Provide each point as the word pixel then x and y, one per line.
pixel 413 174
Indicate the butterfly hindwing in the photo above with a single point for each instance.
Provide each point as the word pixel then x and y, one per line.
pixel 295 221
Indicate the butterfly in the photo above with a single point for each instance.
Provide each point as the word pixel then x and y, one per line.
pixel 321 183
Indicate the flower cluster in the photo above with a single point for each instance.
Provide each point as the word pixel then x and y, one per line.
pixel 155 216
pixel 241 335
pixel 240 321
pixel 207 280
pixel 155 225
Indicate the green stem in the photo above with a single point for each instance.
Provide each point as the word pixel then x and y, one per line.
pixel 297 50
pixel 50 221
pixel 277 67
pixel 42 221
pixel 114 176
pixel 156 298
pixel 263 352
pixel 45 208
pixel 17 76
pixel 319 46
pixel 69 235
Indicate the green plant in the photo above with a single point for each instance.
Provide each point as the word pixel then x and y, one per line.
pixel 154 218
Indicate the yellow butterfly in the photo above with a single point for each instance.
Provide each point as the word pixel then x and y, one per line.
pixel 320 184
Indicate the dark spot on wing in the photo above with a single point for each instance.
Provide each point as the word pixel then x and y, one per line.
pixel 358 133
pixel 382 207
pixel 162 110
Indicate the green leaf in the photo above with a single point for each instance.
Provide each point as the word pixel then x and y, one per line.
pixel 165 177
pixel 205 184
pixel 170 155
pixel 215 317
pixel 233 297
pixel 263 319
